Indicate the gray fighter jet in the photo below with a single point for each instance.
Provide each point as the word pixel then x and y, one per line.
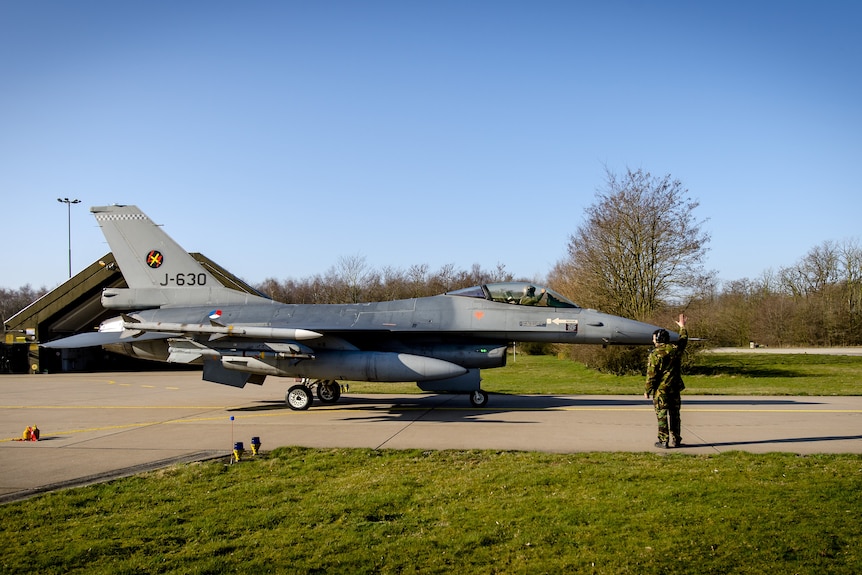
pixel 185 315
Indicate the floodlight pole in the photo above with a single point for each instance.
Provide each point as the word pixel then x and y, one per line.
pixel 69 203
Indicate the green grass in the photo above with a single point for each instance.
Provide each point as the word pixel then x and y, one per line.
pixel 711 374
pixel 765 374
pixel 364 511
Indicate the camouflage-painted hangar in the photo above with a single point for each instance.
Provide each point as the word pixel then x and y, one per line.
pixel 75 307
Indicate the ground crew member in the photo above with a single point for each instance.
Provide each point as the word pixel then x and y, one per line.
pixel 664 383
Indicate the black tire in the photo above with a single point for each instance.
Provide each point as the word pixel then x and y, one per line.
pixel 478 398
pixel 328 391
pixel 298 398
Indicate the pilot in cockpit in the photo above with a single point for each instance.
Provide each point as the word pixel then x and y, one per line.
pixel 530 297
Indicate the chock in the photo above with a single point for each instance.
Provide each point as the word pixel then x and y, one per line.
pixel 30 434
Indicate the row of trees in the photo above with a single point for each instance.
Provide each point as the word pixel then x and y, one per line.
pixel 639 254
pixel 817 301
pixel 14 300
pixel 352 280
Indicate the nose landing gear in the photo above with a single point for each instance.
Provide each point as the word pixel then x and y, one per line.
pixel 478 398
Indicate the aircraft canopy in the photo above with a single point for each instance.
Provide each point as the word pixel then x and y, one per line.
pixel 518 293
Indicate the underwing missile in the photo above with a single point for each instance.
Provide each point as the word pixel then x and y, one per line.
pixel 215 331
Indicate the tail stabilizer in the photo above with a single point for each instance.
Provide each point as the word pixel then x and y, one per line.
pixel 158 271
pixel 146 255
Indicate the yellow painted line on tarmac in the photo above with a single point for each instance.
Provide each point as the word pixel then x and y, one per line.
pixel 774 410
pixel 115 407
pixel 383 406
pixel 611 409
pixel 87 430
pixel 144 385
pixel 376 409
pixel 148 424
pixel 716 410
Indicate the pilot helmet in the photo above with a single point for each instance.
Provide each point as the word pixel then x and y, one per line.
pixel 661 336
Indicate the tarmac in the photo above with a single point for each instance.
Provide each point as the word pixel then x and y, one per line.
pixel 100 426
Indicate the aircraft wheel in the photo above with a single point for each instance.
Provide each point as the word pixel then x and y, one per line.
pixel 328 391
pixel 478 398
pixel 298 397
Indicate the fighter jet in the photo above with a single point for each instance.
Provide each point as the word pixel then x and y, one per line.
pixel 183 314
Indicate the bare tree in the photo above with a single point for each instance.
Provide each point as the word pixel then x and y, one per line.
pixel 275 290
pixel 353 275
pixel 14 300
pixel 639 248
pixel 825 287
pixel 851 257
pixel 443 280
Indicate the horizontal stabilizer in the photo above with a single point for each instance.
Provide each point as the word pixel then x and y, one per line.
pixel 96 338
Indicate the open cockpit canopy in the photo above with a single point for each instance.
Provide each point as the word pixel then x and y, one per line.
pixel 518 293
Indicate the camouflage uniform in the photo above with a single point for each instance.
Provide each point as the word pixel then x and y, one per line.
pixel 664 384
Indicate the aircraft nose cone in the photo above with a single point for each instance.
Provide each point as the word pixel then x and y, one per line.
pixel 631 332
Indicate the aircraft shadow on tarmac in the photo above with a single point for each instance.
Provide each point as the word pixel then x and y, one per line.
pixel 432 407
pixel 456 408
pixel 500 402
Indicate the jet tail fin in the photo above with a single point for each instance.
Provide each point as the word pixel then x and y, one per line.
pixel 146 255
pixel 157 269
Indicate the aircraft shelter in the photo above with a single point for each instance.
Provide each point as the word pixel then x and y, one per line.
pixel 75 307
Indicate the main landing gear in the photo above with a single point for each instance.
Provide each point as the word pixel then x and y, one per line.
pixel 300 397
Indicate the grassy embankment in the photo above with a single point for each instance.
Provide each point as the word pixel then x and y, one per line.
pixel 711 374
pixel 363 511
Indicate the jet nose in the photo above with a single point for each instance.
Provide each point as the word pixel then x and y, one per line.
pixel 631 332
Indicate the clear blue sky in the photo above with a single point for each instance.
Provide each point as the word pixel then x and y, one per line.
pixel 278 137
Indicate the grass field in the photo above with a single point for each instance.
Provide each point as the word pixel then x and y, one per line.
pixel 711 374
pixel 298 510
pixel 365 511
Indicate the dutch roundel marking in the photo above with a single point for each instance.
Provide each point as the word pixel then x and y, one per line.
pixel 155 259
